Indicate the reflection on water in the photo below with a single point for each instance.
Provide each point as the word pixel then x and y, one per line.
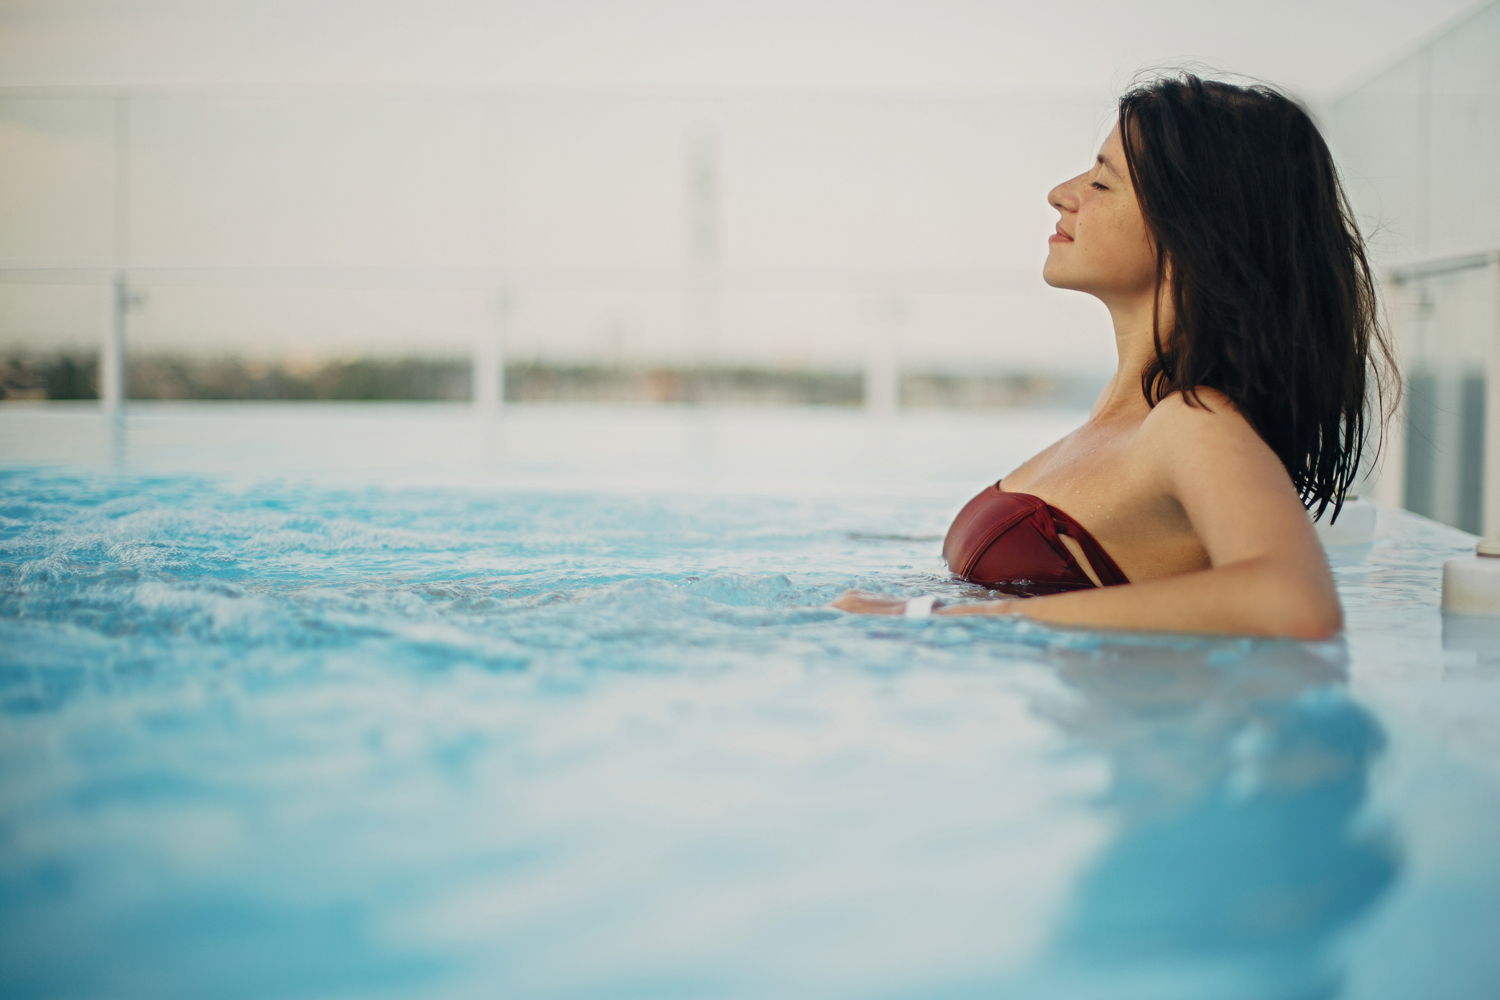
pixel 1476 634
pixel 1239 773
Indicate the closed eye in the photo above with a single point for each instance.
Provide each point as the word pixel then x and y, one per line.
pixel 1098 187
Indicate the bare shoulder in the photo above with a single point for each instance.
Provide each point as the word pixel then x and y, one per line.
pixel 1209 418
pixel 1206 436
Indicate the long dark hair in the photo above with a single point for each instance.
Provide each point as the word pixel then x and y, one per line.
pixel 1270 287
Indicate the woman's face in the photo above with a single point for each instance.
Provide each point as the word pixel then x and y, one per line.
pixel 1101 245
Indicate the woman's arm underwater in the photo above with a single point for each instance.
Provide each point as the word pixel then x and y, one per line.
pixel 1268 573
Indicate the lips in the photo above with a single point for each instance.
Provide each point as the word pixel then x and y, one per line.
pixel 1059 236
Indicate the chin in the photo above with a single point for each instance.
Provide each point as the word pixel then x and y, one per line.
pixel 1054 276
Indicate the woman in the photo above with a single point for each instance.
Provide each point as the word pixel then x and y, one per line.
pixel 1214 228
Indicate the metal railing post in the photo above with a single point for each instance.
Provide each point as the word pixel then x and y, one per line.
pixel 1490 501
pixel 1389 486
pixel 882 380
pixel 112 351
pixel 488 373
pixel 112 354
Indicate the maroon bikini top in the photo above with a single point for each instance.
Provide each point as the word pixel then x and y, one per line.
pixel 1009 542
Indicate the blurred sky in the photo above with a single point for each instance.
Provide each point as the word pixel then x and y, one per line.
pixel 879 169
pixel 931 47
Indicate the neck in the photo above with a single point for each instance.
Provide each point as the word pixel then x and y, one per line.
pixel 1134 348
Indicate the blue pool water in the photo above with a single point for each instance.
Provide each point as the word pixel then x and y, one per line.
pixel 375 702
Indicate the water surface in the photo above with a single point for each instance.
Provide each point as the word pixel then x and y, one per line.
pixel 370 702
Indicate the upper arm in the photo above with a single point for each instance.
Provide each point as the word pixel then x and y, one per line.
pixel 1234 490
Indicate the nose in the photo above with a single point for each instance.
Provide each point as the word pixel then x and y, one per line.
pixel 1064 197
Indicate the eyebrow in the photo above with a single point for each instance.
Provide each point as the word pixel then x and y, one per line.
pixel 1112 168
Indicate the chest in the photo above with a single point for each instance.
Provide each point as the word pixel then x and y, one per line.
pixel 1092 472
pixel 1100 476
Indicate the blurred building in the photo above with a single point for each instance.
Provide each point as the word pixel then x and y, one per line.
pixel 1419 144
pixel 787 233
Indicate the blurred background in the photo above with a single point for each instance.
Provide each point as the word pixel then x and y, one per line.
pixel 830 204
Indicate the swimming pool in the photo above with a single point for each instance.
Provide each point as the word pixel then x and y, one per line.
pixel 380 701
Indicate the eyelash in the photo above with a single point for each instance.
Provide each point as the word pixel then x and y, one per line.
pixel 1099 187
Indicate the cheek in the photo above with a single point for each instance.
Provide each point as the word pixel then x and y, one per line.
pixel 1123 235
pixel 1109 227
pixel 1117 247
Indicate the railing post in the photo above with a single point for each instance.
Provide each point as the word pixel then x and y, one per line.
pixel 882 372
pixel 704 243
pixel 488 374
pixel 1389 486
pixel 1490 519
pixel 112 351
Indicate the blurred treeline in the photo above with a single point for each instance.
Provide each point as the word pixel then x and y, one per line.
pixel 61 377
pixel 69 376
pixel 177 377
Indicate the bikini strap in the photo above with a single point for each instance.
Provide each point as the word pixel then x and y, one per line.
pixel 1107 569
